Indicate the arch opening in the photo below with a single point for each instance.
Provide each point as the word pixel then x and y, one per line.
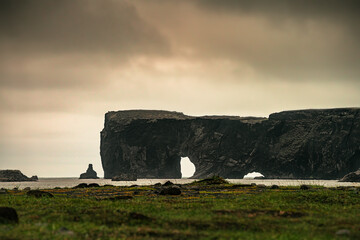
pixel 187 168
pixel 253 175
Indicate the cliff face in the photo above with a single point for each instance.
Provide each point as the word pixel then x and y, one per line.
pixel 319 144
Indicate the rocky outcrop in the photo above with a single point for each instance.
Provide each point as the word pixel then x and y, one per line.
pixel 351 177
pixel 15 176
pixel 130 176
pixel 89 174
pixel 304 144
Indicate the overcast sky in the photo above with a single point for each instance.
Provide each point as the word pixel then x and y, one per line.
pixel 64 64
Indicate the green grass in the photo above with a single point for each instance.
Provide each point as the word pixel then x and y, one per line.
pixel 202 211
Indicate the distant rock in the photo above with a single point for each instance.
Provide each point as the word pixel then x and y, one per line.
pixel 125 177
pixel 89 174
pixel 351 177
pixel 15 176
pixel 168 183
pixel 34 178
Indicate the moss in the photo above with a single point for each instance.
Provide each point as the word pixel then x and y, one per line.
pixel 202 211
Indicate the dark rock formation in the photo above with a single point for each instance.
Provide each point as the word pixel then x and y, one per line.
pixel 84 185
pixel 304 144
pixel 15 176
pixel 129 176
pixel 89 174
pixel 170 191
pixel 34 178
pixel 351 177
pixel 39 194
pixel 8 215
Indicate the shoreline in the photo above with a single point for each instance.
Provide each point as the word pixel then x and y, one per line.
pixel 50 183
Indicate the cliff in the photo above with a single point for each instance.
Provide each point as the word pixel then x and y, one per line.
pixel 315 144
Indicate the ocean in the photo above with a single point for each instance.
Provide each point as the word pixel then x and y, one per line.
pixel 46 183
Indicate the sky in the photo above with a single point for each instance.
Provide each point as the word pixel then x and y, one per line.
pixel 64 64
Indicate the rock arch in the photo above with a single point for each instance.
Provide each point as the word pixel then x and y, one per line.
pixel 319 144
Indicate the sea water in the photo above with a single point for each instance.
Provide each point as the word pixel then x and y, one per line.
pixel 47 183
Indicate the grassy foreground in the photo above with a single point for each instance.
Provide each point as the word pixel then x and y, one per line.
pixel 202 211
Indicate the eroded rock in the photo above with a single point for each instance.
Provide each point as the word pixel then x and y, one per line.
pixel 15 176
pixel 89 174
pixel 304 144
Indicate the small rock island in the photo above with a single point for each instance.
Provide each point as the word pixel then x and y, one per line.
pixel 89 174
pixel 15 176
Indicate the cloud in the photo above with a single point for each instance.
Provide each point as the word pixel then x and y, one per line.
pixel 289 40
pixel 64 63
pixel 67 26
pixel 56 54
pixel 332 10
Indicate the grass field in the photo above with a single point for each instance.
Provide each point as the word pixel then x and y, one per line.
pixel 202 211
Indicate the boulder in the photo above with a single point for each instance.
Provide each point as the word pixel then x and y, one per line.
pixel 8 215
pixel 81 185
pixel 170 191
pixel 39 194
pixel 300 144
pixel 89 174
pixel 14 176
pixel 168 183
pixel 3 191
pixel 351 177
pixel 304 187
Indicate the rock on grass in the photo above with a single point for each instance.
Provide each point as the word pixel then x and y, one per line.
pixel 304 187
pixel 8 215
pixel 39 194
pixel 170 191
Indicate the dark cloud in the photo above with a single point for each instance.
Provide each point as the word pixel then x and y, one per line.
pixel 287 39
pixel 67 44
pixel 109 27
pixel 335 10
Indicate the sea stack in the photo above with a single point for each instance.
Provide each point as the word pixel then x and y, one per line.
pixel 89 174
